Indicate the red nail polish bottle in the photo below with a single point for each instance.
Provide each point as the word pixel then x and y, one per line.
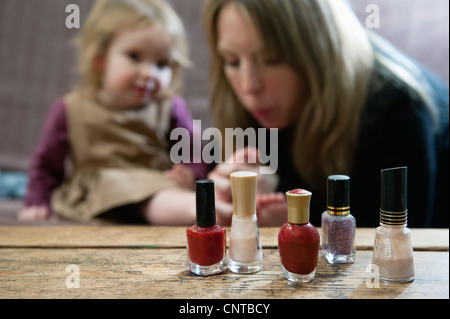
pixel 206 241
pixel 298 239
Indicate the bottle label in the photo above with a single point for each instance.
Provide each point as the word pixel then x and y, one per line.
pixel 382 250
pixel 394 257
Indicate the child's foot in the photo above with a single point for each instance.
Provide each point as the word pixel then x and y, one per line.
pixel 34 213
pixel 271 209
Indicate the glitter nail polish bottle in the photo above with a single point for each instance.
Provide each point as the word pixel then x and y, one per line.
pixel 338 225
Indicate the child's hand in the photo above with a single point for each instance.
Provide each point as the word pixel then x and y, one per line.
pixel 34 213
pixel 182 175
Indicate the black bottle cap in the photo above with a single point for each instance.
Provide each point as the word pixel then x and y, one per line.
pixel 338 194
pixel 205 203
pixel 393 194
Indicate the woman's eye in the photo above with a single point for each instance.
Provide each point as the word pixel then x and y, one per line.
pixel 231 63
pixel 273 60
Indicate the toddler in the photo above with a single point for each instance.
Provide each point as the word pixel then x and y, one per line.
pixel 115 124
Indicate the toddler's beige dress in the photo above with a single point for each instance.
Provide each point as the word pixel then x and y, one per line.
pixel 118 156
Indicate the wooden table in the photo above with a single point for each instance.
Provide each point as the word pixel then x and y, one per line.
pixel 150 262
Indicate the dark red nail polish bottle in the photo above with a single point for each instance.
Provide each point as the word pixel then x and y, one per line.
pixel 206 241
pixel 298 239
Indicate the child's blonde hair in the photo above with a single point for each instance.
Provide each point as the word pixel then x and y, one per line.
pixel 108 17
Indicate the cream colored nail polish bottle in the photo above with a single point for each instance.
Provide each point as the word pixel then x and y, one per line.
pixel 393 249
pixel 245 251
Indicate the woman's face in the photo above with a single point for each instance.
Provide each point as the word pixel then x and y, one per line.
pixel 269 89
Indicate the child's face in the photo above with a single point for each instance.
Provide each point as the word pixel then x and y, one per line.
pixel 137 59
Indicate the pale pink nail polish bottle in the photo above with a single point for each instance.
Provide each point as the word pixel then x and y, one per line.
pixel 393 250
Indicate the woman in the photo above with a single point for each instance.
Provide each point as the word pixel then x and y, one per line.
pixel 344 101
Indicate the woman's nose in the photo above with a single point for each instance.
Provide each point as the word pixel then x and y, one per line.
pixel 251 79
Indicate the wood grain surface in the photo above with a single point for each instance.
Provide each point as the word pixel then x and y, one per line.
pixel 162 273
pixel 173 237
pixel 150 263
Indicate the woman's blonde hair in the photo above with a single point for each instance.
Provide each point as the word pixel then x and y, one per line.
pixel 326 44
pixel 108 17
pixel 323 41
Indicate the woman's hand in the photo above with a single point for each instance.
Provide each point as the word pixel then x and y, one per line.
pixel 242 160
pixel 271 209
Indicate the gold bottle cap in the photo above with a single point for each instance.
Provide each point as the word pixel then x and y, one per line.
pixel 243 191
pixel 298 201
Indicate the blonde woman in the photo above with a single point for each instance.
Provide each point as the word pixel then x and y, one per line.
pixel 344 101
pixel 115 124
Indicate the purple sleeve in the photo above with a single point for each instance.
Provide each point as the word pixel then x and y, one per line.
pixel 46 170
pixel 182 118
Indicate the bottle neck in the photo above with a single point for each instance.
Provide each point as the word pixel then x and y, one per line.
pixel 299 225
pixel 338 211
pixel 201 229
pixel 244 217
pixel 393 218
pixel 393 229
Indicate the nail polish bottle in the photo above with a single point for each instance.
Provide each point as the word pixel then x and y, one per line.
pixel 298 239
pixel 393 249
pixel 245 252
pixel 338 225
pixel 206 241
